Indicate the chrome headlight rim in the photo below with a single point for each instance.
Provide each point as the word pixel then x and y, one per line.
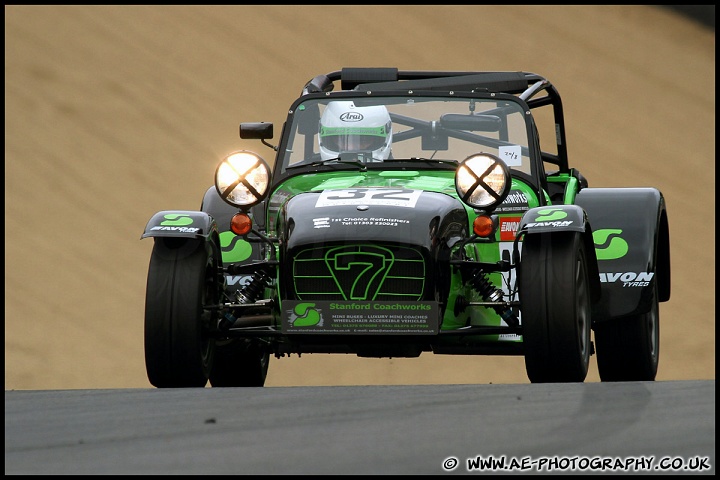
pixel 242 179
pixel 483 181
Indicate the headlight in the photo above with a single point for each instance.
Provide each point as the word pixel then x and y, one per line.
pixel 242 179
pixel 482 181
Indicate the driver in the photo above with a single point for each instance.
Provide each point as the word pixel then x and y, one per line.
pixel 347 128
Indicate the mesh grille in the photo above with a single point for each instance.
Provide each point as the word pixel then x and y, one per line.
pixel 359 273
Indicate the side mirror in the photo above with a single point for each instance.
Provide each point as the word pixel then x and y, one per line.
pixel 256 130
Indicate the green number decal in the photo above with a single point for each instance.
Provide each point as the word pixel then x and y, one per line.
pixel 368 268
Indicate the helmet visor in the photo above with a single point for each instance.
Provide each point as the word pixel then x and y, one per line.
pixel 353 139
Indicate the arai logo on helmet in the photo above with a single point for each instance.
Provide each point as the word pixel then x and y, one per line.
pixel 351 117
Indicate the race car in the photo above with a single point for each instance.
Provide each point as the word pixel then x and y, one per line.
pixel 408 212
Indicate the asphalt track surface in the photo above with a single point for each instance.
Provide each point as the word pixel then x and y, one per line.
pixel 611 428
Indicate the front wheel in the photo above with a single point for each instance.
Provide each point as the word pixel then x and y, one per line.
pixel 181 280
pixel 239 365
pixel 555 307
pixel 628 349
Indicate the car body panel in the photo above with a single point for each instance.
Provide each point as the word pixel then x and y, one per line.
pixel 180 223
pixel 631 242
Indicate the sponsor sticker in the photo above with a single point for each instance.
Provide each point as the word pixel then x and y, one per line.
pixel 550 217
pixel 323 222
pixel 327 222
pixel 361 318
pixel 516 201
pixel 177 229
pixel 627 279
pixel 508 227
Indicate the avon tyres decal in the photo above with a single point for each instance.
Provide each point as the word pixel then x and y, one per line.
pixel 176 222
pixel 627 279
pixel 179 223
pixel 610 245
pixel 550 217
pixel 553 219
pixel 362 318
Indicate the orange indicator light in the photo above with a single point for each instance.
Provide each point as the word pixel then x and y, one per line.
pixel 241 224
pixel 483 226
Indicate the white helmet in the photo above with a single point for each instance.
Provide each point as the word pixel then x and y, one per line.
pixel 347 128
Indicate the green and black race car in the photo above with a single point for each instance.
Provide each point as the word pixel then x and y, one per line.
pixel 409 212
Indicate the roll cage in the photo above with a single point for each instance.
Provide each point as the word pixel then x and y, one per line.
pixel 534 90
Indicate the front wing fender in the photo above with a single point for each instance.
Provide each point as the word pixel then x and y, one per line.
pixel 554 219
pixel 180 223
pixel 630 232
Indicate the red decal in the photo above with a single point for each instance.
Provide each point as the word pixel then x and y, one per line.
pixel 508 227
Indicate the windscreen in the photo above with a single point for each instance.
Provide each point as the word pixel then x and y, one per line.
pixel 395 129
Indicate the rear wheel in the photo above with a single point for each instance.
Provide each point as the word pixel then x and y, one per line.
pixel 239 365
pixel 181 280
pixel 628 349
pixel 555 306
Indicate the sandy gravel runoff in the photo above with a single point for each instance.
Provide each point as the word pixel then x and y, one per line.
pixel 113 113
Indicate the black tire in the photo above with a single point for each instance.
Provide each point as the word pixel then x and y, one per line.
pixel 239 365
pixel 181 279
pixel 555 307
pixel 628 349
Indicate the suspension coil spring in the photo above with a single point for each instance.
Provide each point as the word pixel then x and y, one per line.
pixel 489 293
pixel 252 290
pixel 247 294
